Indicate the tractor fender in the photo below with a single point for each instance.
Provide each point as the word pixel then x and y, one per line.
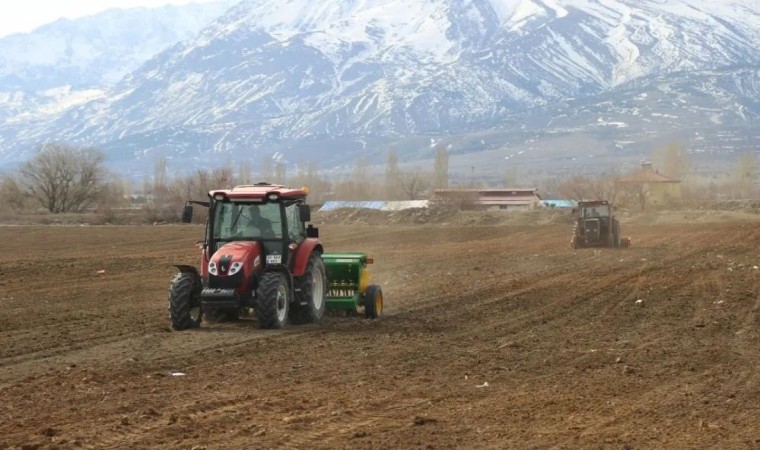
pixel 188 269
pixel 192 270
pixel 303 252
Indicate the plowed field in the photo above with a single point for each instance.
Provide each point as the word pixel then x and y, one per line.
pixel 497 336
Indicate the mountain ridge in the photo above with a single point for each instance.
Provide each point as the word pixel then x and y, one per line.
pixel 267 78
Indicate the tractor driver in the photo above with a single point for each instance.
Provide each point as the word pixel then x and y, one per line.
pixel 260 223
pixel 594 213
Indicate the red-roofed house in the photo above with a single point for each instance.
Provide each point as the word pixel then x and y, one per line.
pixel 649 182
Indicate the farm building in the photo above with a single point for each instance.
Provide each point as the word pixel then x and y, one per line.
pixel 489 198
pixel 647 181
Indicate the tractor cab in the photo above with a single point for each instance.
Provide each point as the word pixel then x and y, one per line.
pixel 595 225
pixel 273 216
pixel 595 210
pixel 258 253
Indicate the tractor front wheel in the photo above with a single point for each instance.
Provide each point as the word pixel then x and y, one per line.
pixel 272 300
pixel 312 291
pixel 184 304
pixel 373 301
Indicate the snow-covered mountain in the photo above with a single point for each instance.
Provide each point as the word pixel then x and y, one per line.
pixel 326 80
pixel 72 61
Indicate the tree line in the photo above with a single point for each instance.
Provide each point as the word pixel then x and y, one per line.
pixel 66 179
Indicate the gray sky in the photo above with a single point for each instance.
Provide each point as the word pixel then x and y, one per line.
pixel 26 15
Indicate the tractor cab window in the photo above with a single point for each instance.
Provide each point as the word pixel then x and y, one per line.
pixel 247 221
pixel 296 230
pixel 596 211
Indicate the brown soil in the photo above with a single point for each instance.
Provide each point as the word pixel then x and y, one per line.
pixel 495 336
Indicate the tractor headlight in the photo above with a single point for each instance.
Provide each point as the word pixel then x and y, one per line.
pixel 273 197
pixel 235 268
pixel 212 268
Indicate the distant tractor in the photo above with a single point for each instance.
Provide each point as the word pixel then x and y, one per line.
pixel 596 226
pixel 258 255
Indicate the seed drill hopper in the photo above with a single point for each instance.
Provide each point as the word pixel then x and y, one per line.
pixel 348 287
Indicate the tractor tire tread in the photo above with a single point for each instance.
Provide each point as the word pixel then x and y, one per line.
pixel 266 303
pixel 302 314
pixel 181 292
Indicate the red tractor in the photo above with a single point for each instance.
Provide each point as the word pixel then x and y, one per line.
pixel 259 254
pixel 596 226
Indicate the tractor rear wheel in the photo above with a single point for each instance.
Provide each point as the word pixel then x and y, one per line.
pixel 272 300
pixel 616 234
pixel 312 292
pixel 373 301
pixel 575 242
pixel 184 304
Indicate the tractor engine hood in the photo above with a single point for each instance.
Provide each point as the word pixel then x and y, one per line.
pixel 235 257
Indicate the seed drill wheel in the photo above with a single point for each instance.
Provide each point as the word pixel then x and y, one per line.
pixel 312 285
pixel 373 301
pixel 272 300
pixel 184 304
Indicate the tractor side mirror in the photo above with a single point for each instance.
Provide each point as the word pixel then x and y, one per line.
pixel 575 210
pixel 187 213
pixel 312 231
pixel 304 212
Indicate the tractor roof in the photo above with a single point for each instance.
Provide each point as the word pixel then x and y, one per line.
pixel 593 203
pixel 261 191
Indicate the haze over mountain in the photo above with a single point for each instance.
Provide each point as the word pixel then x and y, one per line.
pixel 511 81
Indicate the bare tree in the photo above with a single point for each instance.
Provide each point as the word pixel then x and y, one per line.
pixel 632 194
pixel 266 170
pixel 604 187
pixel 244 172
pixel 441 174
pixel 112 194
pixel 158 191
pixel 465 199
pixel 640 194
pixel 413 184
pixel 512 177
pixel 64 178
pixel 576 187
pixel 360 180
pixel 12 195
pixel 746 171
pixel 195 186
pixel 159 175
pixel 672 160
pixel 392 176
pixel 308 176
